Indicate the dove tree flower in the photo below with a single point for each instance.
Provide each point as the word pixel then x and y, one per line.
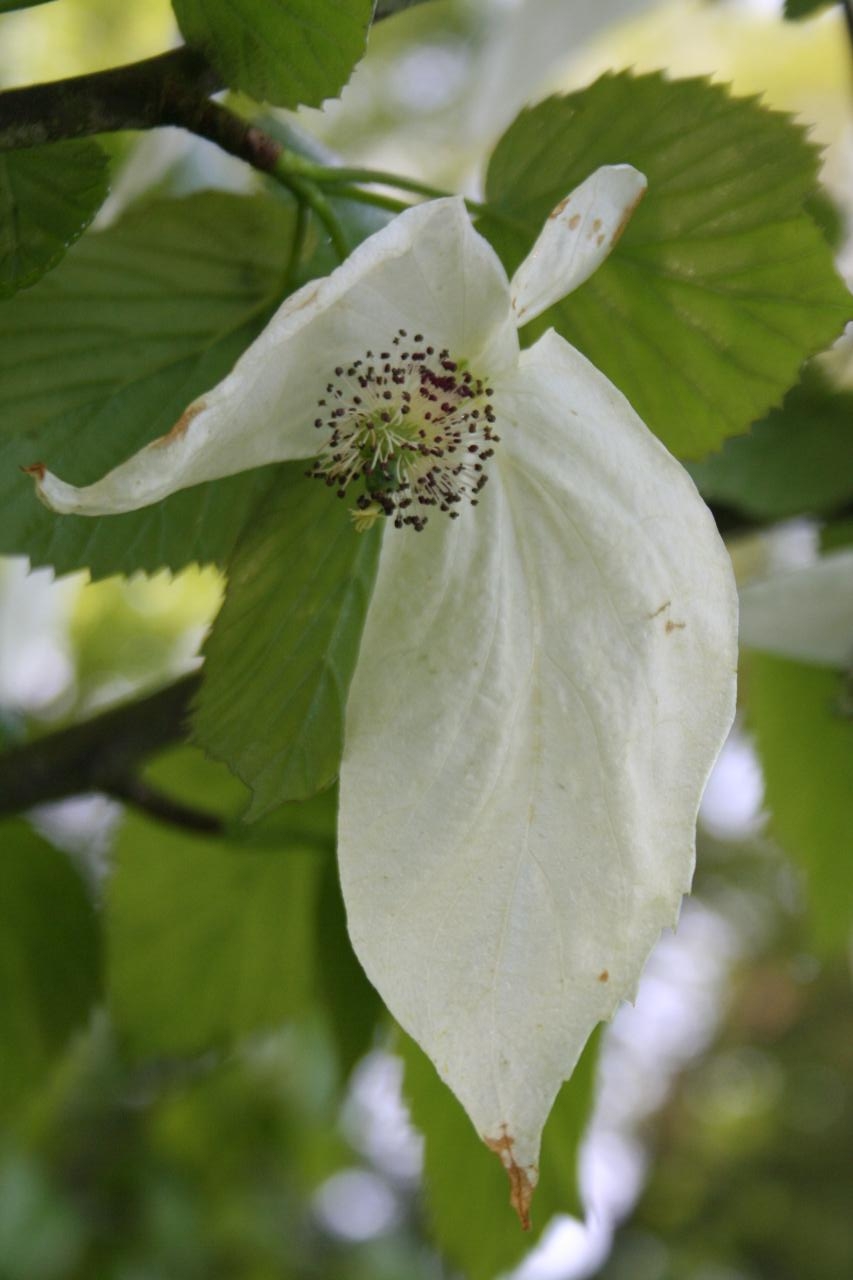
pixel 547 669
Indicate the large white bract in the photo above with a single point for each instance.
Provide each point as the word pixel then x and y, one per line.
pixel 543 683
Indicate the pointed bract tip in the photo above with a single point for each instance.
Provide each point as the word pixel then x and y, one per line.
pixel 522 1178
pixel 37 469
pixel 628 214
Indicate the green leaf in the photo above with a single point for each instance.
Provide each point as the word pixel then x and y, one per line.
pixel 797 459
pixel 828 215
pixel 836 534
pixel 49 958
pixel 353 1004
pixel 721 285
pixel 209 939
pixel 106 352
pixel 48 197
pixel 283 648
pixel 805 744
pixel 287 52
pixel 804 8
pixel 465 1185
pixel 387 8
pixel 9 6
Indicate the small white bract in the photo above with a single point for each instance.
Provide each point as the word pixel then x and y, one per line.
pixel 543 682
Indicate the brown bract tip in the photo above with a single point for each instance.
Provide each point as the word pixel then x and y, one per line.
pixel 36 469
pixel 521 1186
pixel 558 209
pixel 192 411
pixel 626 218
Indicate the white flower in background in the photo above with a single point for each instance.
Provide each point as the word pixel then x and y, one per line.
pixel 543 683
pixel 804 613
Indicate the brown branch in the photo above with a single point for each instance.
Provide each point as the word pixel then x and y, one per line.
pixel 156 804
pixel 105 754
pixel 171 88
pixel 139 95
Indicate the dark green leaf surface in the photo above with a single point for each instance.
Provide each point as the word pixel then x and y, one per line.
pixel 48 197
pixel 283 648
pixel 9 6
pixel 835 534
pixel 805 744
pixel 288 52
pixel 353 1003
pixel 209 939
pixel 466 1186
pixel 797 459
pixel 720 287
pixel 195 779
pixel 49 958
pixel 804 8
pixel 387 8
pixel 105 353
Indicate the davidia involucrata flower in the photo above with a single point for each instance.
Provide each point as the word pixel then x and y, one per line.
pixel 547 669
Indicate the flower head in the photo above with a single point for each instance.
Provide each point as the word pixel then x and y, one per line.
pixel 411 427
pixel 547 669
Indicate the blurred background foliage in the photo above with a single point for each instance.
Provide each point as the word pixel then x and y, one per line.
pixel 195 1078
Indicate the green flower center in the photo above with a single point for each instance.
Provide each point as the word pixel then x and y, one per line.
pixel 409 429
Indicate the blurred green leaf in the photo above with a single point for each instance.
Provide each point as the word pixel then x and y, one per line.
pixel 804 8
pixel 49 958
pixel 806 749
pixel 287 52
pixel 209 939
pixel 721 285
pixel 353 1003
pixel 283 649
pixel 797 459
pixel 105 353
pixel 837 534
pixel 387 8
pixel 48 197
pixel 191 776
pixel 40 1234
pixel 466 1186
pixel 9 6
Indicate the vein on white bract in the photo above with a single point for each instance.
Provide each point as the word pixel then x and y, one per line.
pixel 546 673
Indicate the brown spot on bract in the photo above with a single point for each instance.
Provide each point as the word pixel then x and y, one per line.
pixel 555 213
pixel 36 469
pixel 520 1184
pixel 599 240
pixel 574 221
pixel 192 411
pixel 626 218
pixel 674 626
pixel 596 224
pixel 666 604
pixel 604 976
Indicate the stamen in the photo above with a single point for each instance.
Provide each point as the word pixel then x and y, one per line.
pixel 410 434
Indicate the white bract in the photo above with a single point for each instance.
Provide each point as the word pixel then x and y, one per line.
pixel 543 683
